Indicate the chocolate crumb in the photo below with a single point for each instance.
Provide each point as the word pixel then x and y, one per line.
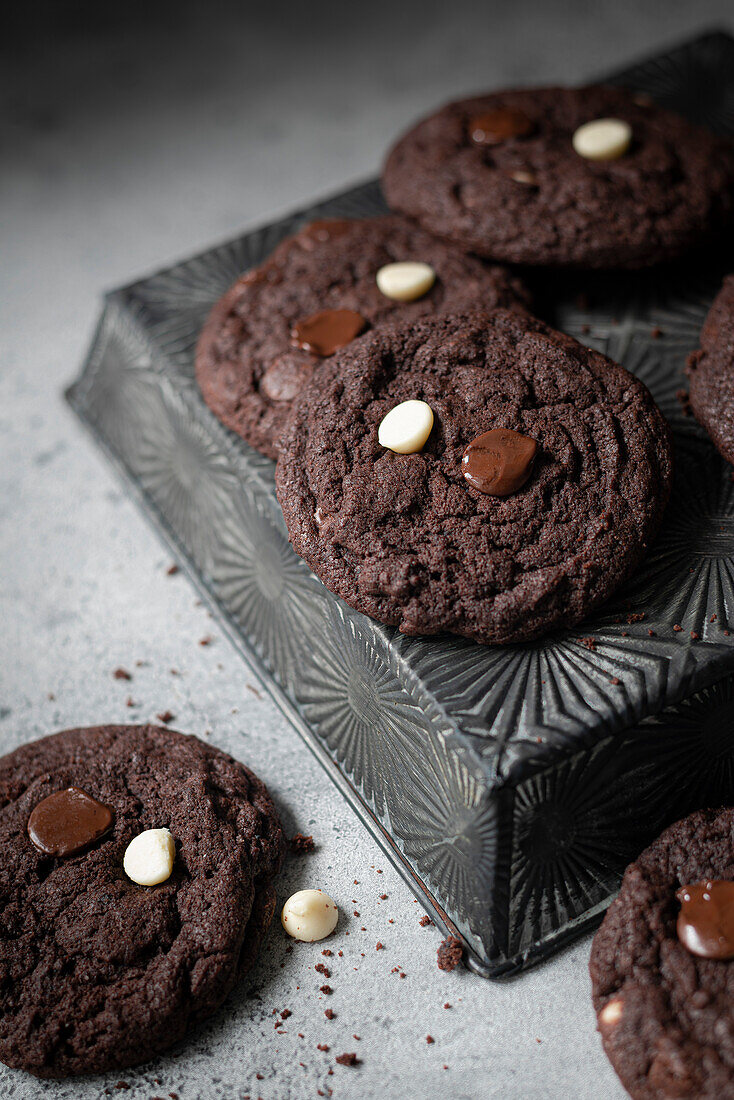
pixel 286 1013
pixel 322 1046
pixel 165 717
pixel 122 674
pixel 325 989
pixel 590 643
pixel 677 628
pixel 425 921
pixel 254 691
pixel 684 401
pixel 635 616
pixel 430 1039
pixel 329 1013
pixel 656 332
pixel 301 844
pixel 614 680
pixel 172 570
pixel 326 952
pixel 713 618
pixel 695 635
pixel 321 969
pixel 449 953
pixel 383 897
pixel 447 1005
pixel 378 946
pixel 348 1060
pixel 206 640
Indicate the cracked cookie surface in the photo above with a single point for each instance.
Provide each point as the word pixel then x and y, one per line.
pixel 531 199
pixel 711 373
pixel 666 1016
pixel 405 539
pixel 98 972
pixel 247 368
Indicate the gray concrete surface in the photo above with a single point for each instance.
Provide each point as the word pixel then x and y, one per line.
pixel 131 138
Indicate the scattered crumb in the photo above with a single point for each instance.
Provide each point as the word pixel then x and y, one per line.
pixel 286 1013
pixel 684 402
pixel 635 616
pixel 656 332
pixel 165 717
pixel 122 674
pixel 325 989
pixel 326 952
pixel 253 690
pixel 321 969
pixel 713 618
pixel 430 1039
pixel 172 570
pixel 447 1005
pixel 589 642
pixel 695 636
pixel 301 844
pixel 322 1046
pixel 330 1014
pixel 206 640
pixel 425 921
pixel 614 680
pixel 348 1060
pixel 677 628
pixel 356 913
pixel 378 946
pixel 130 702
pixel 449 953
pixel 383 897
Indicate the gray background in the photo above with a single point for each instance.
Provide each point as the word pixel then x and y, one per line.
pixel 132 138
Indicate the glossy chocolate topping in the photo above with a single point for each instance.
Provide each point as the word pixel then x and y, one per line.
pixel 706 919
pixel 67 822
pixel 323 333
pixel 493 127
pixel 499 462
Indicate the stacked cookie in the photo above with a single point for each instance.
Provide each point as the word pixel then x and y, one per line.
pixel 446 462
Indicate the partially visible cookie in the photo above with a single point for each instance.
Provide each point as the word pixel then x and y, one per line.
pixel 512 176
pixel 264 336
pixel 476 473
pixel 97 972
pixel 711 373
pixel 662 965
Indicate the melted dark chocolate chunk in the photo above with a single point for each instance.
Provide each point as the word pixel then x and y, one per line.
pixel 494 127
pixel 499 462
pixel 67 822
pixel 706 919
pixel 323 333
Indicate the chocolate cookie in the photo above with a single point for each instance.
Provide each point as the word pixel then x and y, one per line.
pixel 264 336
pixel 662 965
pixel 500 174
pixel 97 971
pixel 538 476
pixel 711 373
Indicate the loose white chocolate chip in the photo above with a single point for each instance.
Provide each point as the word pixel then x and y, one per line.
pixel 406 428
pixel 149 857
pixel 406 281
pixel 309 915
pixel 611 1014
pixel 603 139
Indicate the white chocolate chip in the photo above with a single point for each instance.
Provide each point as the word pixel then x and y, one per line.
pixel 406 428
pixel 603 139
pixel 309 915
pixel 405 281
pixel 149 857
pixel 611 1014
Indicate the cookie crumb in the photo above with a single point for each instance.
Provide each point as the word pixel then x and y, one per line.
pixel 348 1060
pixel 172 570
pixel 430 1039
pixel 165 717
pixel 330 1014
pixel 378 946
pixel 122 674
pixel 321 969
pixel 326 989
pixel 301 844
pixel 449 953
pixel 425 921
pixel 322 1046
pixel 677 628
pixel 206 640
pixel 590 643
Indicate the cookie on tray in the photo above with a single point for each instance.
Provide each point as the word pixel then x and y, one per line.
pixel 662 965
pixel 588 177
pixel 110 954
pixel 711 373
pixel 319 290
pixel 477 473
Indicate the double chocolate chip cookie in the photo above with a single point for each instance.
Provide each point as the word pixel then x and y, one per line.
pixel 590 177
pixel 476 473
pixel 97 971
pixel 319 291
pixel 662 965
pixel 711 373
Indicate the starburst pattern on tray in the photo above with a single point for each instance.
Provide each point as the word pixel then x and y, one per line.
pixel 186 475
pixel 272 596
pixel 350 692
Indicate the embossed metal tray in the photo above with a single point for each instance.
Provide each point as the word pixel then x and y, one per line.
pixel 510 786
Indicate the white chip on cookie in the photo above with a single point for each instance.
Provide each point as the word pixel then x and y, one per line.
pixel 603 139
pixel 309 915
pixel 405 281
pixel 406 428
pixel 149 857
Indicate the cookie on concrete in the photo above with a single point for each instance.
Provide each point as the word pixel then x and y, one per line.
pixel 711 373
pixel 257 348
pixel 662 965
pixel 98 972
pixel 533 476
pixel 512 175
